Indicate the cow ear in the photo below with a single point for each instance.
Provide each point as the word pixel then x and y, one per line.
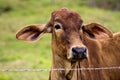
pixel 96 31
pixel 32 32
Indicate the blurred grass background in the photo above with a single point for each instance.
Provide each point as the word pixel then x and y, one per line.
pixel 15 14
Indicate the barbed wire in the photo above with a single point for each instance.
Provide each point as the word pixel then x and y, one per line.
pixel 56 69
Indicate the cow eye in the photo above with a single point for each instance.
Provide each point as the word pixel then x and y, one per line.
pixel 57 26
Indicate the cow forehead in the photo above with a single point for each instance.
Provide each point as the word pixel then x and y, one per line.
pixel 68 18
pixel 64 14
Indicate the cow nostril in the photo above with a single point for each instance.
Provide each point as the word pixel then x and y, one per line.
pixel 79 50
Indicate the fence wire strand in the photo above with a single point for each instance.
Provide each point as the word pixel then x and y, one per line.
pixel 56 69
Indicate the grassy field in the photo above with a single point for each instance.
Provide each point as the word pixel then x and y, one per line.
pixel 16 54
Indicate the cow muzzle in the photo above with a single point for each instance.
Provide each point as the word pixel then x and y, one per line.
pixel 78 53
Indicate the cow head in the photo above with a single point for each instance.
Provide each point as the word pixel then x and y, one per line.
pixel 67 34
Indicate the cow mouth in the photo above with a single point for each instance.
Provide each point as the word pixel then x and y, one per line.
pixel 78 58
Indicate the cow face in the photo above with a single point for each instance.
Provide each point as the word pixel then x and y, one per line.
pixel 67 41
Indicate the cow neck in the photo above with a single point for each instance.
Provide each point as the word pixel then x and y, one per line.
pixel 59 62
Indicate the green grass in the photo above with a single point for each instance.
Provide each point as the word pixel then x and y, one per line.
pixel 16 54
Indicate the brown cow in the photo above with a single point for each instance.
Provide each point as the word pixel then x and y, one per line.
pixel 77 46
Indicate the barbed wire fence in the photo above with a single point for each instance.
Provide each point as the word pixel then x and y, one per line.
pixel 56 69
